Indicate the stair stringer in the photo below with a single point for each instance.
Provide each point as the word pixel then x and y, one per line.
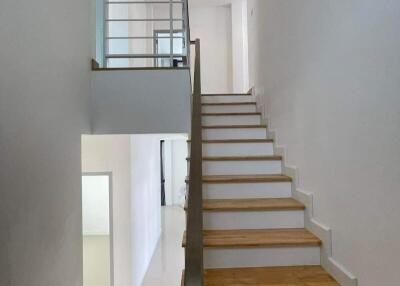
pixel 333 267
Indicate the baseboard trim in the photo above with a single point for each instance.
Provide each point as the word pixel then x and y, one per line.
pixel 333 267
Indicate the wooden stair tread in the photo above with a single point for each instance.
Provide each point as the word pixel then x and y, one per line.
pixel 234 126
pixel 269 276
pixel 224 141
pixel 261 204
pixel 230 103
pixel 242 158
pixel 226 94
pixel 289 237
pixel 245 179
pixel 231 114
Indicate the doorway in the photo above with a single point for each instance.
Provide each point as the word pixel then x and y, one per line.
pixel 97 229
pixel 162 167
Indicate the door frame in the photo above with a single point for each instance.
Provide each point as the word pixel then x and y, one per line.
pixel 110 215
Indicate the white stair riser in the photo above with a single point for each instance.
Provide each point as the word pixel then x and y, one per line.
pixel 238 149
pixel 231 120
pixel 253 219
pixel 228 108
pixel 227 99
pixel 260 257
pixel 247 190
pixel 241 167
pixel 234 133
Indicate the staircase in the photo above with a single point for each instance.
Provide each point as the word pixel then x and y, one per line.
pixel 253 229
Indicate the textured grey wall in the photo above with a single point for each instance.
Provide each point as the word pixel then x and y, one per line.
pixel 44 96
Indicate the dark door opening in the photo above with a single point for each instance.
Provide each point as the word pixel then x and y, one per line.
pixel 162 160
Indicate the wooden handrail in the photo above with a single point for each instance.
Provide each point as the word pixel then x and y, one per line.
pixel 194 222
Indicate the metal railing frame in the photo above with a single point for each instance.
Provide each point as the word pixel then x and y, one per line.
pixel 185 40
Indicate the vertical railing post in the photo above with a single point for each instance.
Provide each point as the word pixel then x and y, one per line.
pixel 171 32
pixel 105 32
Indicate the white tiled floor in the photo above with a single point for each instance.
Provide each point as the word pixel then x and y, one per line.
pixel 168 260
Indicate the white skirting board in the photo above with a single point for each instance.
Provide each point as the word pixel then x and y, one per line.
pixel 337 270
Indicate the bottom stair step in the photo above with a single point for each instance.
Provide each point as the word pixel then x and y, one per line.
pixel 269 276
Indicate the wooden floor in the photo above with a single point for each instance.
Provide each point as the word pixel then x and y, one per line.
pixel 269 276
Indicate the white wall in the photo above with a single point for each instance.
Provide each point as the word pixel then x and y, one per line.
pixel 110 153
pixel 145 202
pixel 212 24
pixel 240 57
pixel 221 26
pixel 128 102
pixel 44 88
pixel 330 71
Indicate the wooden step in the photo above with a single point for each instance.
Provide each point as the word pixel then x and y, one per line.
pixel 242 158
pixel 269 276
pixel 225 179
pixel 232 114
pixel 229 103
pixel 233 141
pixel 259 204
pixel 226 94
pixel 293 237
pixel 234 126
pixel 281 204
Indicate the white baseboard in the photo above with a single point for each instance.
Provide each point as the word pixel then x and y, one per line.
pixel 337 270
